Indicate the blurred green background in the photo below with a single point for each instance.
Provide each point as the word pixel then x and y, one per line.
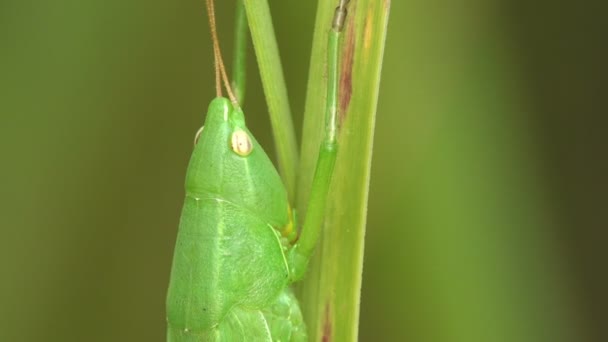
pixel 487 205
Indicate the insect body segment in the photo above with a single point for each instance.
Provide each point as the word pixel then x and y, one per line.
pixel 229 262
pixel 216 168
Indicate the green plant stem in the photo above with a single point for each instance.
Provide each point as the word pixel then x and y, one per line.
pixel 273 82
pixel 330 291
pixel 239 63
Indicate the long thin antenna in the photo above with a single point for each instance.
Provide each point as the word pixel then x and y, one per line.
pixel 220 69
pixel 211 17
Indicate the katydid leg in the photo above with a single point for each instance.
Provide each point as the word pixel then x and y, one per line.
pixel 313 223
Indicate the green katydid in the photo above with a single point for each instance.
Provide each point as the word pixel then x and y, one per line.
pixel 238 247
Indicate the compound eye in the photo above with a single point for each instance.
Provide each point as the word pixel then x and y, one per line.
pixel 241 143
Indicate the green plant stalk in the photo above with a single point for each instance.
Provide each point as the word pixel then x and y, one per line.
pixel 330 292
pixel 273 82
pixel 239 62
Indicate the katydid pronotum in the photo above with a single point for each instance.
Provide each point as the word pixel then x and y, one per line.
pixel 238 248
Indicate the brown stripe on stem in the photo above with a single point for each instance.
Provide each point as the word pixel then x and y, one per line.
pixel 327 325
pixel 345 87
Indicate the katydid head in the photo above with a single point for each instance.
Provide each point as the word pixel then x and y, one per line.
pixel 228 164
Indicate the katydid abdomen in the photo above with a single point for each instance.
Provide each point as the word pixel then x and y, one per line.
pixel 230 274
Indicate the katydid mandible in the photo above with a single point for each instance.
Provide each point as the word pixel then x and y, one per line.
pixel 238 248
